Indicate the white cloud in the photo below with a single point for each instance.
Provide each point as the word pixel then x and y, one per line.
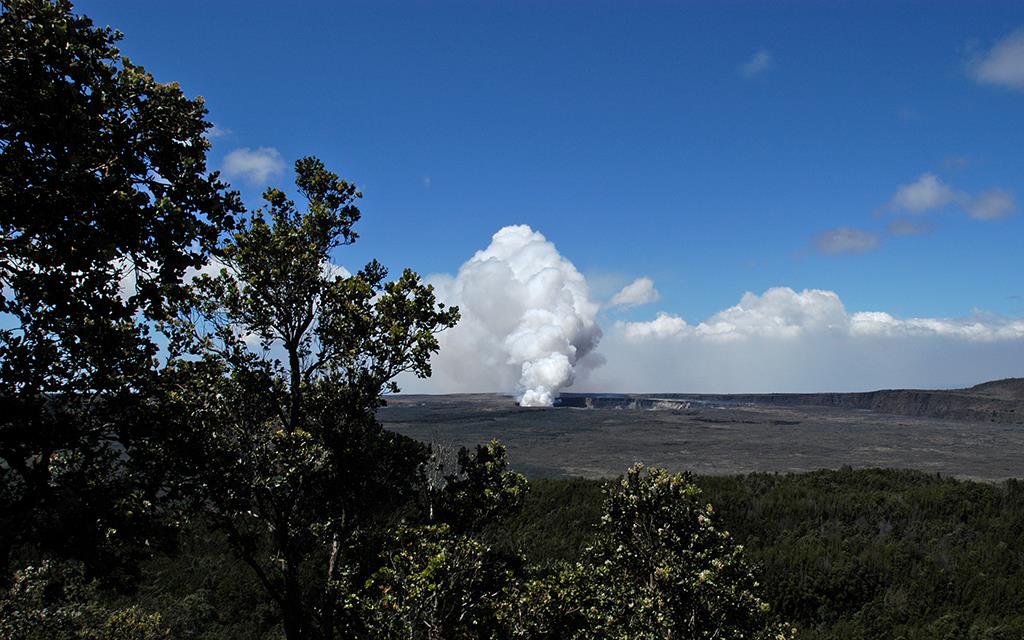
pixel 781 312
pixel 990 205
pixel 127 275
pixel 846 240
pixel 213 266
pixel 253 165
pixel 991 329
pixel 215 132
pixel 761 62
pixel 778 312
pixel 784 340
pixel 1003 64
pixel 903 227
pixel 331 270
pixel 664 326
pixel 927 192
pixel 639 292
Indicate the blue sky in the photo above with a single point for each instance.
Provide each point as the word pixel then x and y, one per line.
pixel 716 148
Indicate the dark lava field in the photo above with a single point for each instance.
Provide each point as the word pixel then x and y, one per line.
pixel 975 433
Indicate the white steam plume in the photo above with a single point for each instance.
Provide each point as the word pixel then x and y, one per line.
pixel 528 322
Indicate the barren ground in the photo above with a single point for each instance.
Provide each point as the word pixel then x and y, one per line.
pixel 711 439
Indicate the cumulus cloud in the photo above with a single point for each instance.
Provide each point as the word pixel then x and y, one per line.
pixel 528 322
pixel 1003 64
pixel 639 292
pixel 990 205
pixel 784 340
pixel 925 193
pixel 664 326
pixel 779 313
pixel 761 62
pixel 929 192
pixel 980 329
pixel 253 165
pixel 846 240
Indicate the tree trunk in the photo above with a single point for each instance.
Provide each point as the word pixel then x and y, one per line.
pixel 296 386
pixel 292 625
pixel 294 622
pixel 331 591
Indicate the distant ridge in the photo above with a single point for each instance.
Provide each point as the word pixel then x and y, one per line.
pixel 994 401
pixel 1008 388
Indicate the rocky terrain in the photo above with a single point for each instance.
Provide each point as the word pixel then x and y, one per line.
pixel 973 433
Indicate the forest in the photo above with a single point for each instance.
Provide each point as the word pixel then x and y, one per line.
pixel 847 554
pixel 189 446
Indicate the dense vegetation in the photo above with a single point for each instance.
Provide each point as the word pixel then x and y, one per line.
pixel 849 554
pixel 178 370
pixel 189 447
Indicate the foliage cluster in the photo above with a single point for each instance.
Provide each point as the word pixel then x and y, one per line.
pixel 54 601
pixel 878 553
pixel 170 359
pixel 432 582
pixel 105 204
pixel 658 566
pixel 848 554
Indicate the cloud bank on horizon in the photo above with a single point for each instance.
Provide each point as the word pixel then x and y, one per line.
pixel 788 341
pixel 530 327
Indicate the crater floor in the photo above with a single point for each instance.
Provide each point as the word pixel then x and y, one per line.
pixel 725 438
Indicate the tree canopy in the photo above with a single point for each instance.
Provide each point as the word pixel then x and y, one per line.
pixel 278 366
pixel 105 203
pixel 253 415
